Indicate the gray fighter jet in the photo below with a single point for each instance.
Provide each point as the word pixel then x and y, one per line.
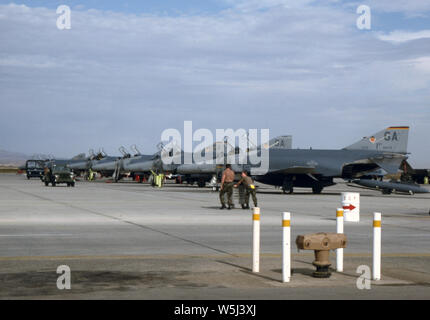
pixel 137 164
pixel 86 163
pixel 316 169
pixel 211 171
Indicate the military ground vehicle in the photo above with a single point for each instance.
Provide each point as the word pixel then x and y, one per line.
pixel 34 168
pixel 58 174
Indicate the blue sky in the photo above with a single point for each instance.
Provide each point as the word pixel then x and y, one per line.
pixel 170 7
pixel 383 20
pixel 127 70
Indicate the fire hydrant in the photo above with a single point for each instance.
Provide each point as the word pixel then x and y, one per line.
pixel 321 243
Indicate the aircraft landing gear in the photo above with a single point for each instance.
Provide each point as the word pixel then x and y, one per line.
pixel 201 183
pixel 288 186
pixel 317 189
pixel 387 191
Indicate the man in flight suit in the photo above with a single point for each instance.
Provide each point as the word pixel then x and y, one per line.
pixel 250 189
pixel 227 187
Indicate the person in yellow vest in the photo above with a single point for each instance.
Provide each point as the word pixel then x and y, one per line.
pixel 161 177
pixel 250 189
pixel 91 174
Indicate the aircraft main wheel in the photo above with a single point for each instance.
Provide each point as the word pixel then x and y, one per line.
pixel 201 183
pixel 290 190
pixel 317 190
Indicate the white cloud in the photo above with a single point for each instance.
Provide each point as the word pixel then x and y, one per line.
pixel 421 64
pixel 404 36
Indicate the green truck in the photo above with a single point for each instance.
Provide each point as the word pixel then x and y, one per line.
pixel 59 174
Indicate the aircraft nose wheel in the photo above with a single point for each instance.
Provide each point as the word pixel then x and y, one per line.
pixel 288 190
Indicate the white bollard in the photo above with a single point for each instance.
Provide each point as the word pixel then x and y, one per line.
pixel 376 246
pixel 256 240
pixel 339 229
pixel 286 247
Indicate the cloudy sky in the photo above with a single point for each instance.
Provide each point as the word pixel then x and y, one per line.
pixel 127 70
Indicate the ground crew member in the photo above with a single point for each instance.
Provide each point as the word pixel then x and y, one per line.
pixel 227 187
pixel 91 174
pixel 46 175
pixel 250 189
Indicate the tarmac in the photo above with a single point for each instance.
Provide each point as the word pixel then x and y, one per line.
pixel 131 241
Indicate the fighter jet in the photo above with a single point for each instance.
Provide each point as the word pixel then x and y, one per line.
pixel 62 162
pixel 316 169
pixel 210 171
pixel 135 164
pixel 86 163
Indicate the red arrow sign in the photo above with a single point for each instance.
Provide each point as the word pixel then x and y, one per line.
pixel 350 207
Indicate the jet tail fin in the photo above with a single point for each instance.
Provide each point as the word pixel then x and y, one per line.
pixel 392 139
